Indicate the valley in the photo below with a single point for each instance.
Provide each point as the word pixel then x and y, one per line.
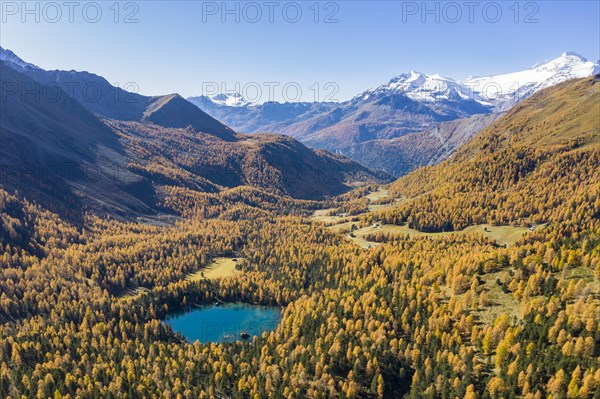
pixel 475 277
pixel 501 235
pixel 354 226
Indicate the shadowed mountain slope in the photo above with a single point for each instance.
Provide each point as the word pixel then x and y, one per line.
pixel 55 151
pixel 98 96
pixel 73 159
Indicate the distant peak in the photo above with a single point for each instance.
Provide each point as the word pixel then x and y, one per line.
pixel 12 59
pixel 174 96
pixel 566 58
pixel 437 76
pixel 6 53
pixel 227 95
pixel 220 97
pixel 573 54
pixel 231 99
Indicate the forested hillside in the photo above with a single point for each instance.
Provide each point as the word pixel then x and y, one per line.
pixel 120 154
pixel 414 316
pixel 537 164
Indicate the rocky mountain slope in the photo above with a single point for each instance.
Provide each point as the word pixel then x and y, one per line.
pixel 100 97
pixel 414 104
pixel 57 152
pixel 402 155
pixel 120 157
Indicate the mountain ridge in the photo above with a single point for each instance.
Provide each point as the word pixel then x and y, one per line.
pixel 124 161
pixel 521 158
pixel 96 94
pixel 410 104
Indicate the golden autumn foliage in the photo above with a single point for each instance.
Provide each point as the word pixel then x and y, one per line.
pixel 415 317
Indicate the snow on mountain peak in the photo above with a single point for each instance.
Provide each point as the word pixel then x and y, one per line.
pixel 507 89
pixel 9 57
pixel 230 99
pixel 573 54
pixel 422 87
pixel 498 91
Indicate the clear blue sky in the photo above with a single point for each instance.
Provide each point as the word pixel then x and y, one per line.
pixel 182 46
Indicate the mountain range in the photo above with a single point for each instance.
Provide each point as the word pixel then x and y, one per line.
pixel 70 132
pixel 416 119
pixel 478 277
pixel 74 141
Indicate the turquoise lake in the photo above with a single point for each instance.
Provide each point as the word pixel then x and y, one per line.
pixel 225 322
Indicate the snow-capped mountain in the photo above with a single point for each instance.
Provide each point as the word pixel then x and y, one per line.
pixel 222 100
pixel 421 87
pixel 444 97
pixel 412 106
pixel 503 91
pixel 11 58
pixel 496 91
pixel 230 100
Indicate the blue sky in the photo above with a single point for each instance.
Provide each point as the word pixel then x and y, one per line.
pixel 186 47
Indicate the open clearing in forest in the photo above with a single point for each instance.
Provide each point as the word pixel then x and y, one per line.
pixel 586 274
pixel 499 302
pixel 502 235
pixel 377 195
pixel 221 267
pixel 358 236
pixel 132 292
pixel 324 215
